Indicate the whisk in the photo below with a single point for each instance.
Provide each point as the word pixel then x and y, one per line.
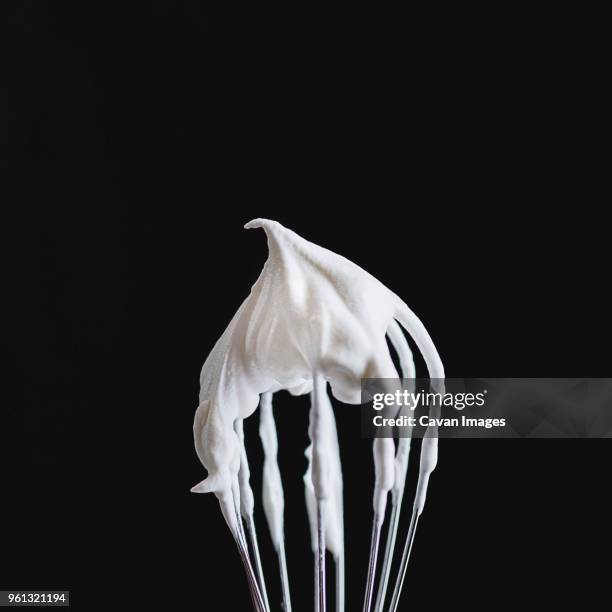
pixel 326 518
pixel 312 318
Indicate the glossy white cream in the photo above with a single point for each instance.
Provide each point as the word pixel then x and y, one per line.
pixel 310 310
pixel 312 318
pixel 334 524
pixel 272 486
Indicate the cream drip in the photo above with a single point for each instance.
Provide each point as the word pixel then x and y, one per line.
pixel 272 485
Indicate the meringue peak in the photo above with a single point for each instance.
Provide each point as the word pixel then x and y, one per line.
pixel 310 310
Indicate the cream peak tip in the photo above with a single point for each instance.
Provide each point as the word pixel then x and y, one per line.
pixel 265 223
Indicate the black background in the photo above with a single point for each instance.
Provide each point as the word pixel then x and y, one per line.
pixel 457 161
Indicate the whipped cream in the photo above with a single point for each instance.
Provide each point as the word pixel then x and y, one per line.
pixel 272 485
pixel 310 310
pixel 334 516
pixel 408 371
pixel 247 499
